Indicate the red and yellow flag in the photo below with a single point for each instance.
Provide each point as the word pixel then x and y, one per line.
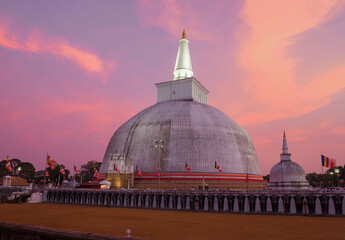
pixel 139 171
pixel 95 173
pixel 187 167
pixel 8 165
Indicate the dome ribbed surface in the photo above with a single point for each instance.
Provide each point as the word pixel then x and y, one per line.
pixel 192 132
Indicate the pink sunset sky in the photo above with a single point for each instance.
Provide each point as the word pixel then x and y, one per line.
pixel 71 72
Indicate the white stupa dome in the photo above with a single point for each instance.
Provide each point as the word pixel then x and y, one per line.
pixel 287 175
pixel 182 130
pixel 192 132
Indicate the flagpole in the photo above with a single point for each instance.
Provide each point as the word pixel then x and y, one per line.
pixel 185 179
pixel 58 183
pixel 45 171
pixel 159 175
pixel 159 144
pixel 247 179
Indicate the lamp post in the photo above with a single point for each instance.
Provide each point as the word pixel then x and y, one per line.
pixel 331 177
pixel 337 172
pixel 158 144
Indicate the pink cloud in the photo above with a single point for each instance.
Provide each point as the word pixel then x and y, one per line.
pixel 175 15
pixel 97 115
pixel 272 84
pixel 14 116
pixel 39 44
pixel 58 107
pixel 339 130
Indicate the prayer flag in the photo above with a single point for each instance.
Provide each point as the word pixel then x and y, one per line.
pixel 52 164
pixel 138 171
pixel 328 162
pixel 62 171
pixel 116 169
pixel 47 174
pixel 187 167
pixel 217 166
pixel 325 161
pixel 95 173
pixel 8 165
pixel 48 159
pixel 76 170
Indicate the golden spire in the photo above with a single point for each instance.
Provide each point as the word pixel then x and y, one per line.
pixel 284 133
pixel 184 34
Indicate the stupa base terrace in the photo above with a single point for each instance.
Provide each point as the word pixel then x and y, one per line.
pixel 199 181
pixel 261 202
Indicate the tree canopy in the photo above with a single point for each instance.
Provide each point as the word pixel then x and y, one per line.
pixel 22 169
pixel 327 179
pixel 87 170
pixel 53 175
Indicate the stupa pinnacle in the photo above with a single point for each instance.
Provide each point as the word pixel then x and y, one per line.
pixel 285 156
pixel 184 86
pixel 183 66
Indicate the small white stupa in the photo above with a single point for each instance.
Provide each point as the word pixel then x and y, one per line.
pixel 287 175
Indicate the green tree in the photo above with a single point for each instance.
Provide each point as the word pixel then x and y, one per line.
pixel 87 170
pixel 53 175
pixel 39 176
pixel 313 179
pixel 326 179
pixel 22 169
pixel 27 171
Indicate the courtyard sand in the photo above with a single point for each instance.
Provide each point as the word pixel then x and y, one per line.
pixel 159 224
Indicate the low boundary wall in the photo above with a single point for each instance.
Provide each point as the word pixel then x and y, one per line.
pixel 264 202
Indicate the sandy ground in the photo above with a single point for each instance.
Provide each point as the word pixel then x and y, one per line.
pixel 159 224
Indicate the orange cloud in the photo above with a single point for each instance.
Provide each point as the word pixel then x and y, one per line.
pixel 264 54
pixel 36 43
